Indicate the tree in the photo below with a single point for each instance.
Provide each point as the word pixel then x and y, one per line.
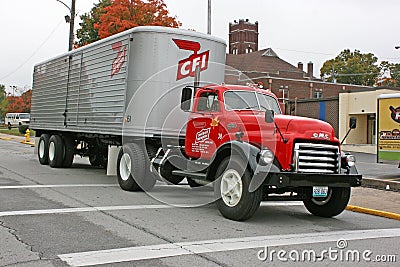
pixel 20 103
pixel 125 14
pixel 87 33
pixel 389 74
pixel 351 68
pixel 3 101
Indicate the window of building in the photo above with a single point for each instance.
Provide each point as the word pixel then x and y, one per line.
pixel 371 129
pixel 318 93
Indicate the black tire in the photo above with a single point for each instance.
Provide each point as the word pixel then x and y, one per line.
pixel 95 160
pixel 43 149
pixel 332 205
pixel 56 151
pixel 166 173
pixel 244 206
pixel 192 183
pixel 69 146
pixel 131 169
pixel 104 158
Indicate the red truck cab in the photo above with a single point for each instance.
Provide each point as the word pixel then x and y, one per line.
pixel 238 140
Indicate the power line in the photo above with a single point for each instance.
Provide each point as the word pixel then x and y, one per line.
pixel 327 54
pixel 33 54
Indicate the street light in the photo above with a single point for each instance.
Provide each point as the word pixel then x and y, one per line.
pixel 397 47
pixel 71 20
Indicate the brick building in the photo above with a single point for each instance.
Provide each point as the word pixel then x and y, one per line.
pixel 243 37
pixel 282 78
pixel 303 94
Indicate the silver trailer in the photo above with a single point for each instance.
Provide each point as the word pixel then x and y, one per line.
pixel 127 85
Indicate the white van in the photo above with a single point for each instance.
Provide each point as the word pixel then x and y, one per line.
pixel 16 119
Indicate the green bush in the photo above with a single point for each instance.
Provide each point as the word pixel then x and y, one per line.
pixel 22 128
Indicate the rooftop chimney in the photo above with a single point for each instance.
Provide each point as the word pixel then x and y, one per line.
pixel 310 69
pixel 300 66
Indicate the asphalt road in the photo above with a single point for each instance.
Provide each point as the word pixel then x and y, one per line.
pixel 80 216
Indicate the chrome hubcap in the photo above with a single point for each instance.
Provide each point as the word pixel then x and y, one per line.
pixel 231 187
pixel 41 149
pixel 125 166
pixel 52 151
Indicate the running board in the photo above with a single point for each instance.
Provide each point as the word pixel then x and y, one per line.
pixel 195 175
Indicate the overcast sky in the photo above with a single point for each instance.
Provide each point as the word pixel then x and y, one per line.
pixel 309 30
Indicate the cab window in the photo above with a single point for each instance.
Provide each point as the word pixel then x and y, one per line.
pixel 238 100
pixel 208 102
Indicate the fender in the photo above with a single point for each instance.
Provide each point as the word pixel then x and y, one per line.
pixel 248 153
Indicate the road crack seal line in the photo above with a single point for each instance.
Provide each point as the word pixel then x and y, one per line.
pixel 167 240
pixel 13 232
pixel 139 228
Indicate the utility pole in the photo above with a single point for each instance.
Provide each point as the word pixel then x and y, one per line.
pixel 71 26
pixel 71 20
pixel 209 18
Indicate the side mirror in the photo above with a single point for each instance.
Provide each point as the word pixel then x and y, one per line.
pixel 353 123
pixel 186 98
pixel 269 116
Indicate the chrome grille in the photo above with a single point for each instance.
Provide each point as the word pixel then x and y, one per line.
pixel 316 158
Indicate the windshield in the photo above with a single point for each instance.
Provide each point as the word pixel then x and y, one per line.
pixel 268 102
pixel 242 100
pixel 24 116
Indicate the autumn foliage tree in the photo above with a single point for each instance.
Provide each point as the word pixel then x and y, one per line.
pixel 87 33
pixel 20 103
pixel 126 14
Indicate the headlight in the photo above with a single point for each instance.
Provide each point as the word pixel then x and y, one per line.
pixel 351 160
pixel 348 160
pixel 266 157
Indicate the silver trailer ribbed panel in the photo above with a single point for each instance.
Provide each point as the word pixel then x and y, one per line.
pixel 130 82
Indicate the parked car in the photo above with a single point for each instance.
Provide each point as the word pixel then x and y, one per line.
pixel 17 119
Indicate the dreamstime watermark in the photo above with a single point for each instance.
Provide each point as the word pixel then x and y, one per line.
pixel 340 253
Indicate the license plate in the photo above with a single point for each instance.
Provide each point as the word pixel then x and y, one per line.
pixel 320 191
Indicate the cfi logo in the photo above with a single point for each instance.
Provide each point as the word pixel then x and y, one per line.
pixel 119 59
pixel 187 66
pixel 395 113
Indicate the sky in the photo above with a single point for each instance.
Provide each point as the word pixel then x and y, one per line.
pixel 297 30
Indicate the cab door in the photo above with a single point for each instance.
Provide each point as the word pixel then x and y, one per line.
pixel 203 129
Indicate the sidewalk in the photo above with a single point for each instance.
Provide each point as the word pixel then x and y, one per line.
pixel 14 138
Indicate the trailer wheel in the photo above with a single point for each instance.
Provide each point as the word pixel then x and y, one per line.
pixel 94 160
pixel 43 149
pixel 56 151
pixel 332 205
pixel 70 146
pixel 131 169
pixel 231 190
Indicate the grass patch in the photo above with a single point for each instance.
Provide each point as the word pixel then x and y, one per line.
pixel 14 131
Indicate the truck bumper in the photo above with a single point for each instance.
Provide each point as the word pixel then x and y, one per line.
pixel 289 179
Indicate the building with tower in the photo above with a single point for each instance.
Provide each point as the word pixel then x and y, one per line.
pixel 243 37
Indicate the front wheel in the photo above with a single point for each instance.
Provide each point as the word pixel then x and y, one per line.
pixel 131 169
pixel 231 190
pixel 331 205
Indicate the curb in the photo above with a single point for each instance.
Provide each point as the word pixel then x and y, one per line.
pixel 381 184
pixel 28 143
pixel 389 215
